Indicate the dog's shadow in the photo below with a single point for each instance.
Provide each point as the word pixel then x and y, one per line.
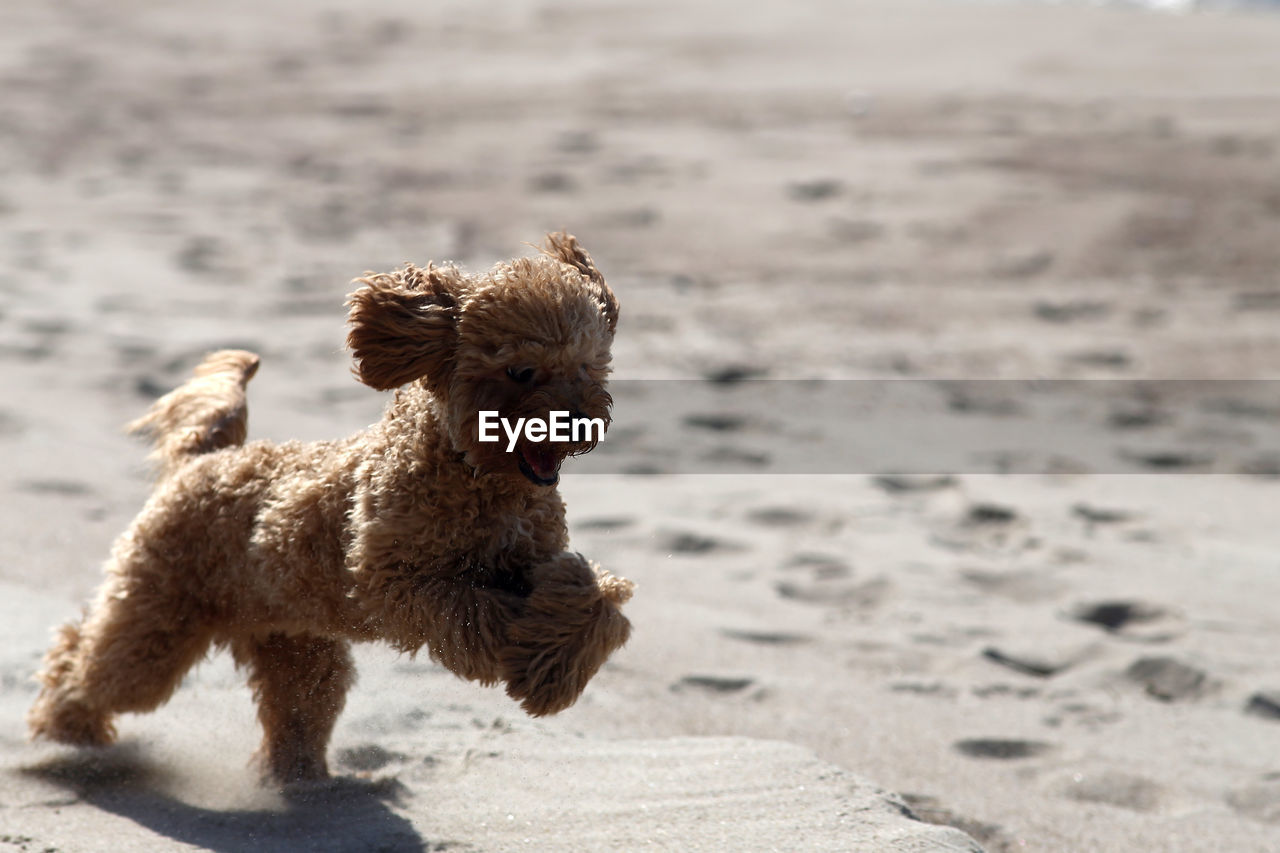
pixel 342 814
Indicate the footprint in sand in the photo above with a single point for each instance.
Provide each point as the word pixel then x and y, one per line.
pixel 1004 691
pixel 819 189
pixel 641 216
pixel 731 373
pixel 737 457
pixel 577 142
pixel 149 387
pixel 1093 515
pixel 204 255
pixel 1168 460
pixel 1082 714
pixel 1110 359
pixel 51 327
pixel 688 544
pixel 966 403
pixel 1265 466
pixel 1003 749
pixel 131 353
pixel 1022 585
pixel 986 527
pixel 367 758
pixel 854 231
pixel 714 684
pixel 1259 801
pixel 1071 311
pixel 644 469
pixel 983 514
pixel 27 351
pixel 1031 662
pixel 1118 615
pixel 60 488
pixel 608 523
pixel 991 836
pixel 820 565
pixel 1127 417
pixel 1168 679
pixel 1265 704
pixel 718 422
pixel 864 595
pixel 908 484
pixel 925 688
pixel 1123 790
pixel 1021 263
pixel 766 638
pixel 780 516
pixel 1242 408
pixel 828 584
pixel 552 181
pixel 1257 300
pixel 1132 620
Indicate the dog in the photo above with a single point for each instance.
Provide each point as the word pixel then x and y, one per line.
pixel 413 531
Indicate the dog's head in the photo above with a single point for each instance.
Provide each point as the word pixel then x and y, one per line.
pixel 530 339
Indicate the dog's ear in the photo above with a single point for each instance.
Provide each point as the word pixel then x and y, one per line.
pixel 404 326
pixel 564 247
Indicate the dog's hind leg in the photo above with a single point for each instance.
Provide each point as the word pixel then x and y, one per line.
pixel 300 683
pixel 129 654
pixel 145 631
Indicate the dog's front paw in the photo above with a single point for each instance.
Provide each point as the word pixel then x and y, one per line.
pixel 568 627
pixel 547 679
pixel 542 681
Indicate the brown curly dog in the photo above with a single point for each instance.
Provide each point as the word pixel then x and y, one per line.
pixel 413 531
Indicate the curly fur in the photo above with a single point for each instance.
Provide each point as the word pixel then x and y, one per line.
pixel 411 532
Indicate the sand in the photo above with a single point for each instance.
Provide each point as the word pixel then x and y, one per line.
pixel 885 189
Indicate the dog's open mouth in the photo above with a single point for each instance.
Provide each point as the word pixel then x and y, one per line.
pixel 540 462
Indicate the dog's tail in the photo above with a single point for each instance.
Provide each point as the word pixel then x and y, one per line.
pixel 206 413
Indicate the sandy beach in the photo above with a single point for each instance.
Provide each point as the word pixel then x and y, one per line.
pixel 1068 657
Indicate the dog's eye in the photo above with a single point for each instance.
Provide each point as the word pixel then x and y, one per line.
pixel 520 374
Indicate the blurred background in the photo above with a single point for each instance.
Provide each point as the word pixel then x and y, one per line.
pixel 841 188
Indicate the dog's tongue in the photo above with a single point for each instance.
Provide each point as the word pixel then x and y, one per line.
pixel 543 459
